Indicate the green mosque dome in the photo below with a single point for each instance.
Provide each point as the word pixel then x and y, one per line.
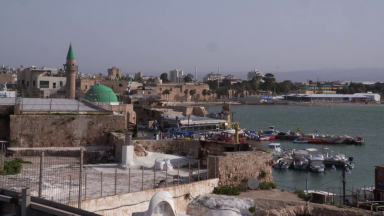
pixel 101 93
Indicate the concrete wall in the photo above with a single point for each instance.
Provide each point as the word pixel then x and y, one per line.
pixel 232 167
pixel 7 78
pixel 126 204
pixel 63 130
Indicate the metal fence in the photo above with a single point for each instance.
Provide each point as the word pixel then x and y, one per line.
pixel 68 180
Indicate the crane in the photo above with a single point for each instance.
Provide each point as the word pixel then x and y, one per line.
pixel 235 126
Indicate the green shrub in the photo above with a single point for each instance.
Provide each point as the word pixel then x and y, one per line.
pixel 301 194
pixel 262 174
pixel 20 160
pixel 14 141
pixel 11 167
pixel 282 190
pixel 169 152
pixel 118 131
pixel 252 209
pixel 266 185
pixel 227 190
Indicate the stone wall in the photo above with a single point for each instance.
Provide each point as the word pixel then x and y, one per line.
pixel 7 78
pixel 5 112
pixel 124 109
pixel 63 130
pixel 126 204
pixel 183 147
pixel 232 167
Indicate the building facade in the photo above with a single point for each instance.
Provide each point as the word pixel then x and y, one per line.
pixel 176 76
pixel 45 82
pixel 115 73
pixel 254 73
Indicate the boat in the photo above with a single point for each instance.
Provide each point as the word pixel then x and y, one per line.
pixel 300 159
pixel 290 135
pixel 271 130
pixel 333 168
pixel 274 147
pixel 330 140
pixel 332 159
pixel 283 163
pixel 359 140
pixel 265 137
pixel 317 164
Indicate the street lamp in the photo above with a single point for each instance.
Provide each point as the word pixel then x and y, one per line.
pixel 188 120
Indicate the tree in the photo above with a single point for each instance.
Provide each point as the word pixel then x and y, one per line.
pixel 204 93
pixel 192 92
pixel 269 80
pixel 188 78
pixel 310 82
pixel 164 77
pixel 166 92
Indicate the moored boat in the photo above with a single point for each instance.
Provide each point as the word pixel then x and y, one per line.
pixel 317 164
pixel 266 137
pixel 283 163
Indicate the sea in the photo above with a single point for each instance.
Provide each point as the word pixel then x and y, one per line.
pixel 352 120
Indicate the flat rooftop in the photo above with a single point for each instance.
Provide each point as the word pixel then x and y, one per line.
pixel 52 104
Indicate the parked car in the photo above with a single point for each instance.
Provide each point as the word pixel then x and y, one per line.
pixel 142 125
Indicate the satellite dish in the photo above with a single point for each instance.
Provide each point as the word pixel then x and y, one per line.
pixel 253 183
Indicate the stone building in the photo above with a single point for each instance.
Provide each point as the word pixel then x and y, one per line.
pixel 115 73
pixel 38 122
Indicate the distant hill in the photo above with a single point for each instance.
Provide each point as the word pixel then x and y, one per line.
pixel 359 74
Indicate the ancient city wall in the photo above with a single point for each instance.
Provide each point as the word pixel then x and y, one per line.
pixel 126 204
pixel 63 130
pixel 232 167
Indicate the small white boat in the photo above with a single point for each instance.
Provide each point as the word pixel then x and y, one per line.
pixel 283 163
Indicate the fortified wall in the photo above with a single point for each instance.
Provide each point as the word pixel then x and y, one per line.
pixel 63 130
pixel 234 167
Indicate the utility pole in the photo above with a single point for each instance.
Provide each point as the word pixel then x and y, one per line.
pixel 343 175
pixel 218 82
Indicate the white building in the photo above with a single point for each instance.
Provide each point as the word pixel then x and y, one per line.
pixel 254 73
pixel 49 81
pixel 213 76
pixel 176 75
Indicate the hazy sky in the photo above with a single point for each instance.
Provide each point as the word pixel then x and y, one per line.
pixel 157 36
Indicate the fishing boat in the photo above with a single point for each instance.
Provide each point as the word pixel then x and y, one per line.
pixel 300 159
pixel 359 140
pixel 317 164
pixel 290 135
pixel 271 130
pixel 266 137
pixel 330 140
pixel 283 163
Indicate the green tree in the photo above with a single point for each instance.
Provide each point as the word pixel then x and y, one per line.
pixel 310 82
pixel 269 80
pixel 204 93
pixel 164 77
pixel 188 78
pixel 192 92
pixel 166 92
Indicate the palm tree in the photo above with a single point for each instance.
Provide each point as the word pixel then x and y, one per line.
pixel 186 94
pixel 209 92
pixel 204 93
pixel 192 92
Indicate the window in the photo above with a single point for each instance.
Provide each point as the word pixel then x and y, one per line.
pixel 22 82
pixel 34 83
pixel 54 85
pixel 86 86
pixel 61 83
pixel 44 84
pixel 120 85
pixel 27 83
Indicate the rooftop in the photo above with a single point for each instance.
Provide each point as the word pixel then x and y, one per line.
pixel 53 105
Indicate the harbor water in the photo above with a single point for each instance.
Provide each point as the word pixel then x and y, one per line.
pixel 352 120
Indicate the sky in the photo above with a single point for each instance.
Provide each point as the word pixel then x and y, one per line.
pixel 158 36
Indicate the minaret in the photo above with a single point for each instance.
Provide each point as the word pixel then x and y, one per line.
pixel 70 70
